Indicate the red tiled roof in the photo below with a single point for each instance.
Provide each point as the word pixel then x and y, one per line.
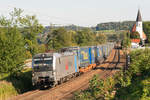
pixel 144 36
pixel 134 28
pixel 135 40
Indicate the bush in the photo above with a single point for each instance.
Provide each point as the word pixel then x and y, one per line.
pixel 134 83
pixel 140 62
pixel 98 89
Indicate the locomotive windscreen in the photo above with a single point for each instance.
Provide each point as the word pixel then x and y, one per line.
pixel 47 61
pixel 43 64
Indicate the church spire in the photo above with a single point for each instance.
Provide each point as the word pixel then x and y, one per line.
pixel 139 18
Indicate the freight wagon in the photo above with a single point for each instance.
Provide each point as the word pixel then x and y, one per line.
pixel 100 55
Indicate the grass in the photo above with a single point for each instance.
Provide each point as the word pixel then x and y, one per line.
pixel 2 76
pixel 11 86
pixel 6 90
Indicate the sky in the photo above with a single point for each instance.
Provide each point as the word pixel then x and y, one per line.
pixel 79 12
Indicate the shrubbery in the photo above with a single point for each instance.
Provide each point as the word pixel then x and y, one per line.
pixel 139 76
pixel 98 89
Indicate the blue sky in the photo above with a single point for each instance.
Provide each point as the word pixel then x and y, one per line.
pixel 79 12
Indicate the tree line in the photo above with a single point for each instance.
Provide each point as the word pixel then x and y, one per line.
pixel 61 37
pixel 125 25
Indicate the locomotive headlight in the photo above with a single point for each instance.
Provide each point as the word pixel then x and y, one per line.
pixel 33 74
pixel 43 55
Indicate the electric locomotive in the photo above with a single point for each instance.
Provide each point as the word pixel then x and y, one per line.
pixel 50 69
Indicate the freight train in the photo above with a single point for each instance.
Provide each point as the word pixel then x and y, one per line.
pixel 51 69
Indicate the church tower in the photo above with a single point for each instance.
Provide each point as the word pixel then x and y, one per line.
pixel 139 24
pixel 139 27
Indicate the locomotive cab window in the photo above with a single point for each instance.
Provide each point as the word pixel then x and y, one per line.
pixel 47 62
pixel 43 61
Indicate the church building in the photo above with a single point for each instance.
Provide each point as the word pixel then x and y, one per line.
pixel 138 27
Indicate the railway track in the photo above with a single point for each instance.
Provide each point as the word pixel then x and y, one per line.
pixel 102 74
pixel 107 71
pixel 66 90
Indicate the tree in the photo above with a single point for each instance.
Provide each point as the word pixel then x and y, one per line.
pixel 126 42
pixel 59 38
pixel 29 27
pixel 135 35
pixel 85 37
pixel 101 38
pixel 72 37
pixel 17 36
pixel 146 27
pixel 30 30
pixel 112 37
pixel 11 45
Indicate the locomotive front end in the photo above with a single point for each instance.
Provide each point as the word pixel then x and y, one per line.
pixel 43 71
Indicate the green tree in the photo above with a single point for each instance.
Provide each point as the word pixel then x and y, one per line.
pixel 30 30
pixel 29 27
pixel 101 38
pixel 113 37
pixel 85 37
pixel 146 27
pixel 135 35
pixel 72 37
pixel 18 35
pixel 126 42
pixel 11 44
pixel 59 38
